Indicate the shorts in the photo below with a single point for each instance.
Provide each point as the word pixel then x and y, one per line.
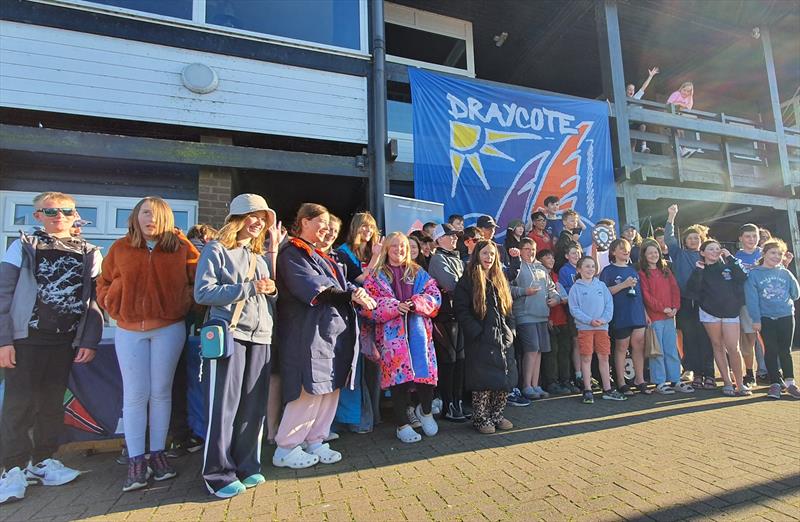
pixel 623 333
pixel 593 341
pixel 745 322
pixel 705 317
pixel 533 337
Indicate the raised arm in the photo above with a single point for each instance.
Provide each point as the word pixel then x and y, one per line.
pixel 651 72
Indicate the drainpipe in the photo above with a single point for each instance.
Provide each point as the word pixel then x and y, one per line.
pixel 378 135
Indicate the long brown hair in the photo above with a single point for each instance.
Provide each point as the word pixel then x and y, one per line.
pixel 164 236
pixel 227 235
pixel 410 268
pixel 306 211
pixel 661 264
pixel 494 275
pixel 362 250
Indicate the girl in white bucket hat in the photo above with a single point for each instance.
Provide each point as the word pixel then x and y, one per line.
pixel 233 269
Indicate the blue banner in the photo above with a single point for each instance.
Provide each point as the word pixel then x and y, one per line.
pixel 485 149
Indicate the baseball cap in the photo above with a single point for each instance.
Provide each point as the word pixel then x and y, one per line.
pixel 445 229
pixel 247 203
pixel 486 222
pixel 628 226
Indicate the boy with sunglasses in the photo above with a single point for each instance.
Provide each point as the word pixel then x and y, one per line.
pixel 49 319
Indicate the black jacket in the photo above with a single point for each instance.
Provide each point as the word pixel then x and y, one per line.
pixel 488 343
pixel 718 288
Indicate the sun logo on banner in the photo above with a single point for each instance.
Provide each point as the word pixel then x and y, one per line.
pixel 466 146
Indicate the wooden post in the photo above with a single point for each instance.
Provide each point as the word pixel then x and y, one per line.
pixel 792 208
pixel 775 102
pixel 631 205
pixel 611 66
pixel 726 155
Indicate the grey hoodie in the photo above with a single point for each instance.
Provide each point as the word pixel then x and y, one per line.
pixel 590 300
pixel 220 283
pixel 532 308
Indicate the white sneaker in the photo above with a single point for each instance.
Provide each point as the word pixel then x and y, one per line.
pixel 688 376
pixel 429 426
pixel 436 406
pixel 413 420
pixel 50 472
pixel 12 485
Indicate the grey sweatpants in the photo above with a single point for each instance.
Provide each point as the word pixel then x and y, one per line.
pixel 147 361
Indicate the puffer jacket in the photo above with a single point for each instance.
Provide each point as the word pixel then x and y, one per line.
pixel 489 361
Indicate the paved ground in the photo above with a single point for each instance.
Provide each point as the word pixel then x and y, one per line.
pixel 663 458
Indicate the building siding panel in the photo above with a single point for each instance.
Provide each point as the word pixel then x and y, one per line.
pixel 63 71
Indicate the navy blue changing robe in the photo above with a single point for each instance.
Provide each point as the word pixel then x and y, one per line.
pixel 317 340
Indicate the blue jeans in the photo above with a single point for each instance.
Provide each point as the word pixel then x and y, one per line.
pixel 666 367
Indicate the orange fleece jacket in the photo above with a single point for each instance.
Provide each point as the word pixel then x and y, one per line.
pixel 144 290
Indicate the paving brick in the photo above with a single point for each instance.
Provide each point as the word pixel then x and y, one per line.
pixel 649 458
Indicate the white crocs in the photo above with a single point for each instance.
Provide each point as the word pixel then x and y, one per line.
pixel 326 454
pixel 408 435
pixel 429 426
pixel 295 459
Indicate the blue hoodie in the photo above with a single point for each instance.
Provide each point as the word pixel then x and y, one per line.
pixel 770 292
pixel 683 260
pixel 590 300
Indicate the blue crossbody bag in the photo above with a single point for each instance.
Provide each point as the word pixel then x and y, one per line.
pixel 216 336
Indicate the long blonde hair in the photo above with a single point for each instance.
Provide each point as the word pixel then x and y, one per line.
pixel 164 236
pixel 227 235
pixel 494 275
pixel 362 250
pixel 410 268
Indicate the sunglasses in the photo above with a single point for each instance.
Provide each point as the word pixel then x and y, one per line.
pixel 53 212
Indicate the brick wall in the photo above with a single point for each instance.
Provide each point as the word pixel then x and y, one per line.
pixel 214 189
pixel 213 195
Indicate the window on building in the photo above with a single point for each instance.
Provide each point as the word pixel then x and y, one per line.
pixel 108 216
pixel 329 22
pixel 171 8
pixel 415 37
pixel 336 23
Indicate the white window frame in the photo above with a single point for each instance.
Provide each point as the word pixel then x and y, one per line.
pixel 436 24
pixel 104 228
pixel 198 22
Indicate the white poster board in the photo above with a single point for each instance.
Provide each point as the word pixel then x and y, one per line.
pixel 407 214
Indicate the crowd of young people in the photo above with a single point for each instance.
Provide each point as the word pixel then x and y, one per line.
pixel 444 321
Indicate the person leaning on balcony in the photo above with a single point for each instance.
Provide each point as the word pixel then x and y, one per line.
pixel 683 99
pixel 633 93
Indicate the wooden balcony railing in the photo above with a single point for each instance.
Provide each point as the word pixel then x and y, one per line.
pixel 705 147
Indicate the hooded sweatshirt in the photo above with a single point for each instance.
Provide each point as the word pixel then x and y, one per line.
pixel 770 292
pixel 683 260
pixel 531 308
pixel 719 288
pixel 590 300
pixel 221 283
